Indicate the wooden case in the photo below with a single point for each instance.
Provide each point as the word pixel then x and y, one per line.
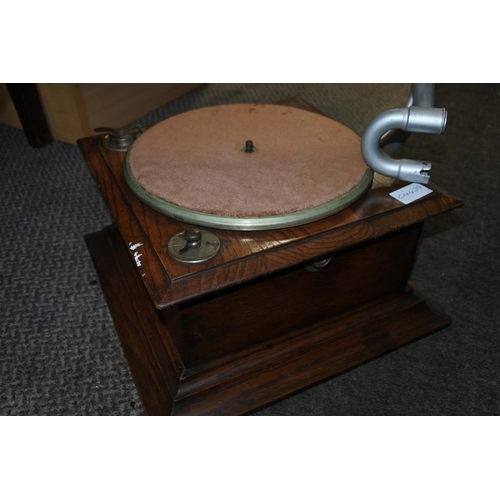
pixel 254 325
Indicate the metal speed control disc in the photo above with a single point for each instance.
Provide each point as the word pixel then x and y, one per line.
pixel 194 246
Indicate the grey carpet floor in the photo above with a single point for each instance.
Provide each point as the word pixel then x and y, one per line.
pixel 59 353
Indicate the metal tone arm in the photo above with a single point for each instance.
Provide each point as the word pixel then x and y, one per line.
pixel 421 117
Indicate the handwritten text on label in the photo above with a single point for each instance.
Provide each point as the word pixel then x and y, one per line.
pixel 410 193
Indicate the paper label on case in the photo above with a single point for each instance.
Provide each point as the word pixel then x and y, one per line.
pixel 411 193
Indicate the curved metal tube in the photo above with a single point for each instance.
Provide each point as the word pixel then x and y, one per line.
pixel 412 119
pixel 392 140
pixel 423 94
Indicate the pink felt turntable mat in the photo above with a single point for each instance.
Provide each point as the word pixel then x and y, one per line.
pixel 196 160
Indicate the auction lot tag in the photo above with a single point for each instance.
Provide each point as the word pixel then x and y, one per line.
pixel 410 193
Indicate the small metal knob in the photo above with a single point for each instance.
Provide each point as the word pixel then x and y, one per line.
pixel 318 265
pixel 194 246
pixel 119 139
pixel 193 240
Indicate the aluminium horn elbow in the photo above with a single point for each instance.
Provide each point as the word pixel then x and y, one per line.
pixel 412 119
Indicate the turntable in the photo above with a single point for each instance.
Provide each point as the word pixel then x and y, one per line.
pixel 253 254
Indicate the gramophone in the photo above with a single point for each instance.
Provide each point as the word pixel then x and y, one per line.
pixel 259 249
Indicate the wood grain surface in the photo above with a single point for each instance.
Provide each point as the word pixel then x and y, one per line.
pixel 245 255
pixel 182 364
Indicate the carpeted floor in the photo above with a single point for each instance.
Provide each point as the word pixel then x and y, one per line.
pixel 59 352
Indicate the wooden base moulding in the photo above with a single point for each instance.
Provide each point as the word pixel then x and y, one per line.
pixel 253 325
